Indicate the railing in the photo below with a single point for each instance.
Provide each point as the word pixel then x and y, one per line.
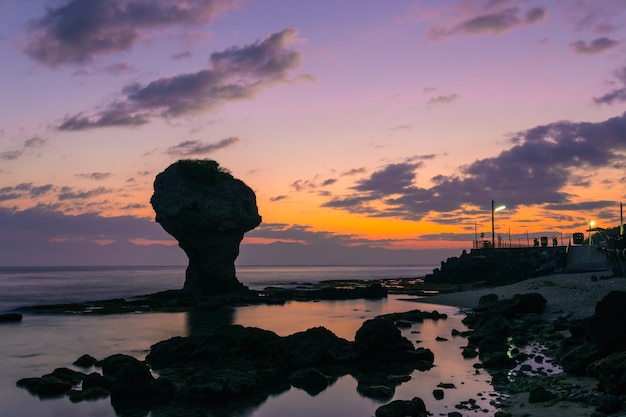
pixel 521 243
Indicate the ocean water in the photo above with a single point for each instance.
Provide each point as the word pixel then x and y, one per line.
pixel 41 343
pixel 20 286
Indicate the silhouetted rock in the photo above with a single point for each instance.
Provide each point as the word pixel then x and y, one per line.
pixel 317 345
pixel 10 317
pixel 56 383
pixel 94 379
pixel 438 394
pixel 597 337
pixel 499 266
pixel 607 326
pixel 414 316
pixel 609 404
pixel 498 323
pixel 376 391
pixel 88 394
pixel 611 373
pixel 380 339
pixel 85 361
pixel 402 408
pixel 208 211
pixel 531 303
pixel 134 384
pixel 244 365
pixel 575 359
pixel 540 395
pixel 310 380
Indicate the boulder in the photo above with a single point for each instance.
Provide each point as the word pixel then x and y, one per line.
pixel 111 365
pixel 380 339
pixel 529 303
pixel 310 380
pixel 56 383
pixel 45 387
pixel 607 326
pixel 438 394
pixel 575 360
pixel 609 404
pixel 85 361
pixel 90 394
pixel 611 373
pixel 597 337
pixel 134 384
pixel 488 299
pixel 378 392
pixel 10 317
pixel 208 211
pixel 540 395
pixel 214 386
pixel 403 408
pixel 317 346
pixel 94 380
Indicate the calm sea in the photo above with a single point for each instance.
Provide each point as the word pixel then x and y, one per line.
pixel 21 286
pixel 41 343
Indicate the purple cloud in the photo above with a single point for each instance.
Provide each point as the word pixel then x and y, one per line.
pixel 354 171
pixel 77 31
pixel 449 99
pixel 29 144
pixel 98 176
pixel 594 47
pixel 181 55
pixel 24 190
pixel 278 198
pixel 491 20
pixel 68 193
pixel 195 147
pixel 617 94
pixel 237 73
pixel 43 223
pixel 394 178
pixel 600 17
pixel 535 171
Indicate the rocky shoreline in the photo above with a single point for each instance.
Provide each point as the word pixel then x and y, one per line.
pixel 524 350
pixel 236 365
pixel 527 353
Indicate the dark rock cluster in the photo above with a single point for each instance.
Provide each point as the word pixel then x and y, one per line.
pixel 208 211
pixel 10 317
pixel 499 266
pixel 597 346
pixel 502 331
pixel 245 365
pixel 496 323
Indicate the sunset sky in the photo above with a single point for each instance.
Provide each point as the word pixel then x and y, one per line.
pixel 370 131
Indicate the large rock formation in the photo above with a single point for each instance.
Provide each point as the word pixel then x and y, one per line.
pixel 208 211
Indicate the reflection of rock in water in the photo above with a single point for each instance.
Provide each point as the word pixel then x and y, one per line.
pixel 208 211
pixel 201 321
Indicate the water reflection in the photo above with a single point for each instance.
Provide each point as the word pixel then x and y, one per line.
pixel 41 343
pixel 201 322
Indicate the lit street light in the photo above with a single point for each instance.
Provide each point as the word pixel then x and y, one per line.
pixel 493 227
pixel 591 224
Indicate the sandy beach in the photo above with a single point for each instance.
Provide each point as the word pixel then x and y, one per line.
pixel 575 294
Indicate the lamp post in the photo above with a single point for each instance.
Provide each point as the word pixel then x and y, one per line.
pixel 493 227
pixel 591 224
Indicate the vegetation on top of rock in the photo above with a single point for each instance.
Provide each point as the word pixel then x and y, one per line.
pixel 205 171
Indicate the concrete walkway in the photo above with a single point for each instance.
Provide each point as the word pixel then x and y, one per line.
pixel 586 258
